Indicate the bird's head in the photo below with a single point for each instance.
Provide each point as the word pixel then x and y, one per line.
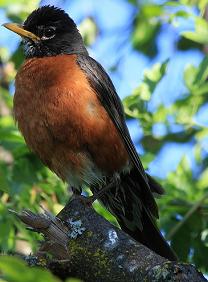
pixel 49 31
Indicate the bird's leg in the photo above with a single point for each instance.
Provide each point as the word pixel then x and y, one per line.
pixel 75 190
pixel 97 195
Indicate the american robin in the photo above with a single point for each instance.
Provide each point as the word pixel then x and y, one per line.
pixel 70 115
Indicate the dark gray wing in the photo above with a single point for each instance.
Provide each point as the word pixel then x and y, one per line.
pixel 104 88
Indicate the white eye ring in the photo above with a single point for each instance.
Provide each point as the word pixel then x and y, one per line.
pixel 49 29
pixel 46 38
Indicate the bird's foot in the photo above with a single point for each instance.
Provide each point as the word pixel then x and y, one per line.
pixel 88 201
pixel 98 195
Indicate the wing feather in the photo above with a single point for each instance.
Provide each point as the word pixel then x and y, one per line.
pixel 104 88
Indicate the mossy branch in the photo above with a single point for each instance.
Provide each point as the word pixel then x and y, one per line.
pixel 83 244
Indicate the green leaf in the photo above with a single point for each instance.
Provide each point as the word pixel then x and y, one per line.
pixel 204 237
pixel 182 14
pixel 202 72
pixel 190 76
pixel 172 4
pixel 151 79
pixel 5 3
pixel 202 134
pixel 151 10
pixel 146 27
pixel 181 243
pixel 88 30
pixel 200 252
pixel 196 36
pixel 200 34
pixel 203 180
pixel 156 73
pixel 198 153
pixel 105 213
pixel 4 183
pixel 15 270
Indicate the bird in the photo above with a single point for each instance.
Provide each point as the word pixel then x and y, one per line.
pixel 71 116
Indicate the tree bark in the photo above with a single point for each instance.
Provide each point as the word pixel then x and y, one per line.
pixel 84 245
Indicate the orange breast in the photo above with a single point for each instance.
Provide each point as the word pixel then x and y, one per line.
pixel 62 119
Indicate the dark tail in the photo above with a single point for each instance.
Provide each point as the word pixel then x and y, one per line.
pixel 151 237
pixel 129 204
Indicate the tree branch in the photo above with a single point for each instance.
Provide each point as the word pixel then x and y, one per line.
pixel 84 245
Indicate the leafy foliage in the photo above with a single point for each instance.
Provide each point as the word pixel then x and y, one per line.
pixel 184 207
pixel 26 183
pixel 13 269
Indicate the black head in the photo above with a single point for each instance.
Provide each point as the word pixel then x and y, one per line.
pixel 49 31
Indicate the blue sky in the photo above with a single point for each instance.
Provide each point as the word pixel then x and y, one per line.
pixel 113 19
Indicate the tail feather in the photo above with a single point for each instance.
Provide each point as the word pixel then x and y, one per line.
pixel 155 187
pixel 128 202
pixel 150 236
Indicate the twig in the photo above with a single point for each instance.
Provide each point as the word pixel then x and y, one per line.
pixel 194 208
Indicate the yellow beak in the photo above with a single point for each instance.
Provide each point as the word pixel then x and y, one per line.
pixel 21 31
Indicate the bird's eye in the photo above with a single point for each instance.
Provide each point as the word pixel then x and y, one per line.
pixel 49 32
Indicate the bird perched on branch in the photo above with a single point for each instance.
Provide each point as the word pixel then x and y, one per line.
pixel 70 115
